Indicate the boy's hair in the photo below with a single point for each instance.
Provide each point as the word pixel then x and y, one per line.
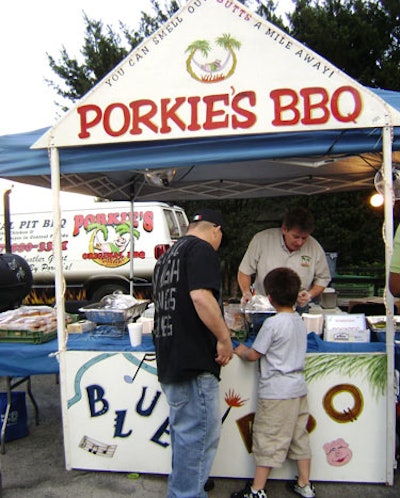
pixel 283 285
pixel 299 217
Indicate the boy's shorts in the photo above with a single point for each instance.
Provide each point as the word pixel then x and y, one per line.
pixel 280 431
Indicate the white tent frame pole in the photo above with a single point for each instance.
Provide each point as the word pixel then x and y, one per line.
pixel 57 246
pixel 59 293
pixel 389 301
pixel 132 241
pixel 131 248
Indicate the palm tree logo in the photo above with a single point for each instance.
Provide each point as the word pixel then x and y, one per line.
pixel 112 251
pixel 204 70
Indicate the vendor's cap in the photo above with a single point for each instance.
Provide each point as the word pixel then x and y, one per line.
pixel 209 215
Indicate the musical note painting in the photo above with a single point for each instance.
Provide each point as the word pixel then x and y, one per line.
pixel 96 448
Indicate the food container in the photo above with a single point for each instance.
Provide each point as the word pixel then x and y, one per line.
pixel 377 324
pixel 234 318
pixel 80 327
pixel 328 298
pixel 35 324
pixel 256 311
pixel 314 322
pixel 114 317
pixel 34 337
pixel 254 320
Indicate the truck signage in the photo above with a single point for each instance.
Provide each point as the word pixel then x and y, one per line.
pixel 96 241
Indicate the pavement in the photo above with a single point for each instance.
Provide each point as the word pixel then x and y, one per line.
pixel 34 466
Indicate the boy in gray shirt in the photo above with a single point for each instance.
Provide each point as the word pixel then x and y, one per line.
pixel 279 429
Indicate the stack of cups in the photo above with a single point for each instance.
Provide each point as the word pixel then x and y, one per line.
pixel 313 322
pixel 148 324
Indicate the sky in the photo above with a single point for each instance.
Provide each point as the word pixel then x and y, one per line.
pixel 28 30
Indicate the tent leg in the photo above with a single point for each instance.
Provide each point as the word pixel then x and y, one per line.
pixel 389 301
pixel 60 288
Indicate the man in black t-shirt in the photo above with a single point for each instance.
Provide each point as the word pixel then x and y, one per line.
pixel 192 342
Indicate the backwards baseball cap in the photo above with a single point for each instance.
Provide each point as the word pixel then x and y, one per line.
pixel 209 215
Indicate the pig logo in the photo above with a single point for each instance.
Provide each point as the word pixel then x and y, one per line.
pixel 118 245
pixel 337 452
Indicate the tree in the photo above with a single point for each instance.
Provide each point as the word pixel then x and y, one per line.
pixel 267 10
pixel 102 50
pixel 362 38
pixel 101 54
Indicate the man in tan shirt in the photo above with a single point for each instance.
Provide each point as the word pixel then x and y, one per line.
pixel 291 246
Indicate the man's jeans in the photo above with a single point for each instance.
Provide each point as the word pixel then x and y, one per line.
pixel 195 427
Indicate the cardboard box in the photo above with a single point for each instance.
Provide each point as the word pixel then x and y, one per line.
pixel 346 328
pixel 80 327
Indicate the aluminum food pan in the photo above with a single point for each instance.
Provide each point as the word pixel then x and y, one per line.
pixel 254 314
pixel 254 320
pixel 378 323
pixel 98 313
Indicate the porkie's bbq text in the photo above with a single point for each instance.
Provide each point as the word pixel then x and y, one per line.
pixel 308 106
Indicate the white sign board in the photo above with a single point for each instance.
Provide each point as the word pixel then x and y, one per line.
pixel 117 417
pixel 216 68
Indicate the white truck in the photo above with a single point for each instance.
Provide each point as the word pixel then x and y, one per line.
pixel 96 247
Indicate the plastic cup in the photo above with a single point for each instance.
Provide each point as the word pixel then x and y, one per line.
pixel 148 324
pixel 135 333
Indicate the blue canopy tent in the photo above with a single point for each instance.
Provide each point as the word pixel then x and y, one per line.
pixel 208 168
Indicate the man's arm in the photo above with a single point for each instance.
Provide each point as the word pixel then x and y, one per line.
pixel 394 283
pixel 316 290
pixel 305 296
pixel 394 269
pixel 244 282
pixel 246 353
pixel 209 312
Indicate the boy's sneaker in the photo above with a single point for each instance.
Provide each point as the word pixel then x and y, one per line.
pixel 307 491
pixel 247 493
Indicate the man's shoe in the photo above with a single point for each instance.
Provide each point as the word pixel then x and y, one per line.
pixel 307 491
pixel 247 493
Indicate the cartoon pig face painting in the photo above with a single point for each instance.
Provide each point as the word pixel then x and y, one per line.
pixel 337 452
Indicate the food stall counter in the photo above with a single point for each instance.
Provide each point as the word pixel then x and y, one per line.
pixel 117 417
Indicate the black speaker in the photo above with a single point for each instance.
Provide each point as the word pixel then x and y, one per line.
pixel 15 281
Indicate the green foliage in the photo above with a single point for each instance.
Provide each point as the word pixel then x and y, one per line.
pixel 360 37
pixel 346 223
pixel 148 24
pixel 102 50
pixel 267 10
pixel 373 368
